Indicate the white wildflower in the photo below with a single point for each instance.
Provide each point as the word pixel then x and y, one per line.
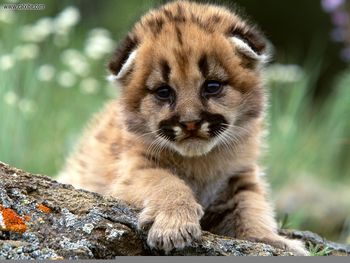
pixel 27 106
pixel 68 18
pixel 44 26
pixel 10 98
pixel 89 86
pixel 98 43
pixel 66 79
pixel 46 72
pixel 32 34
pixel 27 51
pixel 39 31
pixel 28 33
pixel 75 61
pixel 7 61
pixel 7 16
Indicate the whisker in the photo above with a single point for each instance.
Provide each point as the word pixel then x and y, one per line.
pixel 229 138
pixel 157 146
pixel 147 133
pixel 236 127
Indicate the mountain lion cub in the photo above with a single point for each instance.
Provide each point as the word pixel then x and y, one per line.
pixel 182 140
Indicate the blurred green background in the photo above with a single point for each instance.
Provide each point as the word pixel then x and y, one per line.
pixel 52 79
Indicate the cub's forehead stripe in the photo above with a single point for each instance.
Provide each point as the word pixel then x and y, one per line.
pixel 165 69
pixel 203 65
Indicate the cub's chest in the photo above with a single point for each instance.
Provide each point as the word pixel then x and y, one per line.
pixel 208 194
pixel 207 186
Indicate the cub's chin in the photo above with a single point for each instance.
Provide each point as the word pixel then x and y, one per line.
pixel 194 147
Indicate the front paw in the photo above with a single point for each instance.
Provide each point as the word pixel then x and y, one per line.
pixel 172 228
pixel 166 236
pixel 295 246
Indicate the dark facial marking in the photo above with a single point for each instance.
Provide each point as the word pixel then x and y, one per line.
pixel 215 18
pixel 178 35
pixel 196 20
pixel 179 17
pixel 216 125
pixel 168 14
pixel 181 58
pixel 122 53
pixel 180 11
pixel 166 127
pixel 156 25
pixel 165 69
pixel 216 122
pixel 203 65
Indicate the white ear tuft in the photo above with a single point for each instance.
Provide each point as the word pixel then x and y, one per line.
pixel 244 48
pixel 111 78
pixel 124 69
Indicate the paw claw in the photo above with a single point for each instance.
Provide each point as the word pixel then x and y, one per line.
pixel 176 235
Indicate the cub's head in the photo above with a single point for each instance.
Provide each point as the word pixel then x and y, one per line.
pixel 190 77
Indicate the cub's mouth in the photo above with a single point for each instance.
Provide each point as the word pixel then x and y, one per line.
pixel 193 136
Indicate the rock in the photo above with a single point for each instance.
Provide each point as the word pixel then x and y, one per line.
pixel 50 220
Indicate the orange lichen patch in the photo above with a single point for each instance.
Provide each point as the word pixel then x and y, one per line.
pixel 43 208
pixel 26 218
pixel 10 221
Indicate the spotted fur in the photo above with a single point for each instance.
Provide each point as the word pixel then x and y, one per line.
pixel 182 141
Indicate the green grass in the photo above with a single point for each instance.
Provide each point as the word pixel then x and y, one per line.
pixel 41 120
pixel 318 251
pixel 307 139
pixel 309 143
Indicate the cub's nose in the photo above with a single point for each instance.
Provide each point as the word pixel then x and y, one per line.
pixel 192 125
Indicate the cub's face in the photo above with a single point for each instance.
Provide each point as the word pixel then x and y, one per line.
pixel 190 77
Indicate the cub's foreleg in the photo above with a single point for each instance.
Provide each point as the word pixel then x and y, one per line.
pixel 168 204
pixel 242 211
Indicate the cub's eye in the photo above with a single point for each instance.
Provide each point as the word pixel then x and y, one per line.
pixel 164 93
pixel 211 88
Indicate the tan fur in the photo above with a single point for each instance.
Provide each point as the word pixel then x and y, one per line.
pixel 184 183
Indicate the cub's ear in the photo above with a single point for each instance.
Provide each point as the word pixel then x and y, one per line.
pixel 251 44
pixel 123 59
